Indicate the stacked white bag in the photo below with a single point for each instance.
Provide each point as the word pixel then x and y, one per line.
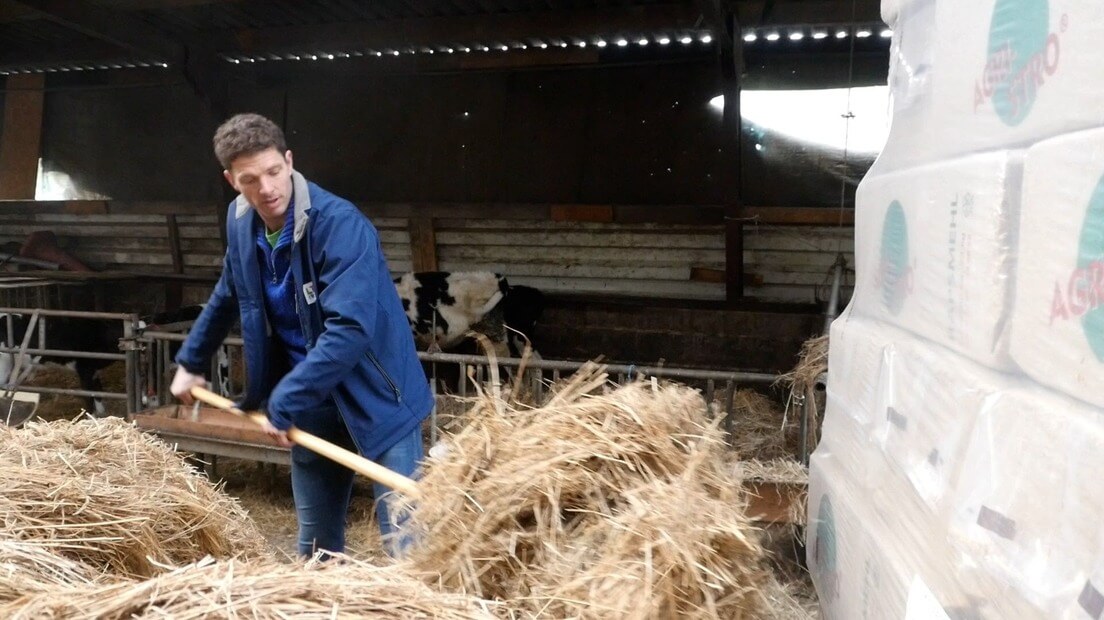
pixel 954 477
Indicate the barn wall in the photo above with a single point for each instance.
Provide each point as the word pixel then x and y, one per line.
pixel 130 136
pixel 613 134
pixel 621 259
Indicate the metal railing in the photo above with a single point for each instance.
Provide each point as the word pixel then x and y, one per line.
pixel 38 323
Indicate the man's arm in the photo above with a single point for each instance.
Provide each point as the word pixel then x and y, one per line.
pixel 350 263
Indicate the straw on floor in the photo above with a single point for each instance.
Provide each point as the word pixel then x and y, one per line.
pixel 103 493
pixel 232 589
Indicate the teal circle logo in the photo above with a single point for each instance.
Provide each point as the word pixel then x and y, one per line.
pixel 1086 288
pixel 825 553
pixel 1022 53
pixel 894 273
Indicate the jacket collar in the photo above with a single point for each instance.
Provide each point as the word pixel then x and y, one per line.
pixel 302 205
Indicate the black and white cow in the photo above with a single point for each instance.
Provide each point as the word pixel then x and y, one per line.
pixel 442 307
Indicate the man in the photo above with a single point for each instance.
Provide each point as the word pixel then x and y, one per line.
pixel 325 335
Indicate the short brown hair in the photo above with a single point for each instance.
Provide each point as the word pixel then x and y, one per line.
pixel 244 134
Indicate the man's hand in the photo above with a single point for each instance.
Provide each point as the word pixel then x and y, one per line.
pixel 183 383
pixel 279 435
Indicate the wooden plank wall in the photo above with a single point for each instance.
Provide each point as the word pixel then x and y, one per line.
pixel 628 258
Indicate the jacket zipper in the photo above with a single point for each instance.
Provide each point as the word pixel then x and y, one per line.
pixel 387 377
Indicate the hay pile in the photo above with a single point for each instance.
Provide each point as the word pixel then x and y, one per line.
pixel 27 568
pixel 601 503
pixel 102 493
pixel 237 590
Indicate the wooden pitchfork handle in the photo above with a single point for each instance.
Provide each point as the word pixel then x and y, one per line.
pixel 353 461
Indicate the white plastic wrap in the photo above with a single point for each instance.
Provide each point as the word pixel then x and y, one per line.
pixel 997 74
pixel 934 251
pixel 1058 324
pixel 955 477
pixel 1028 506
pixel 866 568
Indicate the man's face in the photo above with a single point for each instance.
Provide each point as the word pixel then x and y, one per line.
pixel 264 178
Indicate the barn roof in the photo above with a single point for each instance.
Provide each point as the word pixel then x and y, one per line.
pixel 76 35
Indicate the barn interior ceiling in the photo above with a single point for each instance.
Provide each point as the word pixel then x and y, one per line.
pixel 47 36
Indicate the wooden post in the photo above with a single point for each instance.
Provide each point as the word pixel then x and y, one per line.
pixel 174 291
pixel 423 244
pixel 731 66
pixel 21 140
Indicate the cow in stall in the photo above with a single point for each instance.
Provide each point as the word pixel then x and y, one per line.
pixel 442 307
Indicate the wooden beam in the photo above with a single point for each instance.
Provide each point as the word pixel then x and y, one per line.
pixel 730 54
pixel 114 27
pixel 21 140
pixel 423 244
pixel 798 216
pixel 751 13
pixel 582 213
pixel 174 291
pixel 471 28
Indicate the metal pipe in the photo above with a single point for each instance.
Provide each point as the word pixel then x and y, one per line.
pixel 68 392
pixel 131 361
pixel 64 353
pixel 175 337
pixel 74 314
pixel 15 259
pixel 833 299
pixel 558 365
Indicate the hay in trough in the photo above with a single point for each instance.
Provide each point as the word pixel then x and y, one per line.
pixel 812 362
pixel 760 430
pixel 604 502
pixel 27 568
pixel 105 494
pixel 259 590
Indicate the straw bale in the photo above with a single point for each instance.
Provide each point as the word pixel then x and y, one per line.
pixel 103 493
pixel 239 590
pixel 615 497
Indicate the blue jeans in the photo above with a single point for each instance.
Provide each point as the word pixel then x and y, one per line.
pixel 322 487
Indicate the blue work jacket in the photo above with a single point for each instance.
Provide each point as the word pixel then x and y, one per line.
pixel 360 350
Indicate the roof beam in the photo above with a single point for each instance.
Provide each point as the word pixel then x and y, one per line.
pixel 114 27
pixel 758 13
pixel 443 30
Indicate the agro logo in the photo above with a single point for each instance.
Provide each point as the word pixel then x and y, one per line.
pixel 1022 53
pixel 894 273
pixel 1082 294
pixel 825 553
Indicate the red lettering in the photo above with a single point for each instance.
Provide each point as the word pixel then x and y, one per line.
pixel 1057 306
pixel 1076 293
pixel 1096 287
pixel 1051 62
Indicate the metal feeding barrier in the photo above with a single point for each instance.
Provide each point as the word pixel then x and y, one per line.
pixel 37 324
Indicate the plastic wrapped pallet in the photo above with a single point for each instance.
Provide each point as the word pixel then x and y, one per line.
pixel 1027 508
pixel 864 568
pixel 932 401
pixel 935 250
pixel 1003 74
pixel 1058 325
